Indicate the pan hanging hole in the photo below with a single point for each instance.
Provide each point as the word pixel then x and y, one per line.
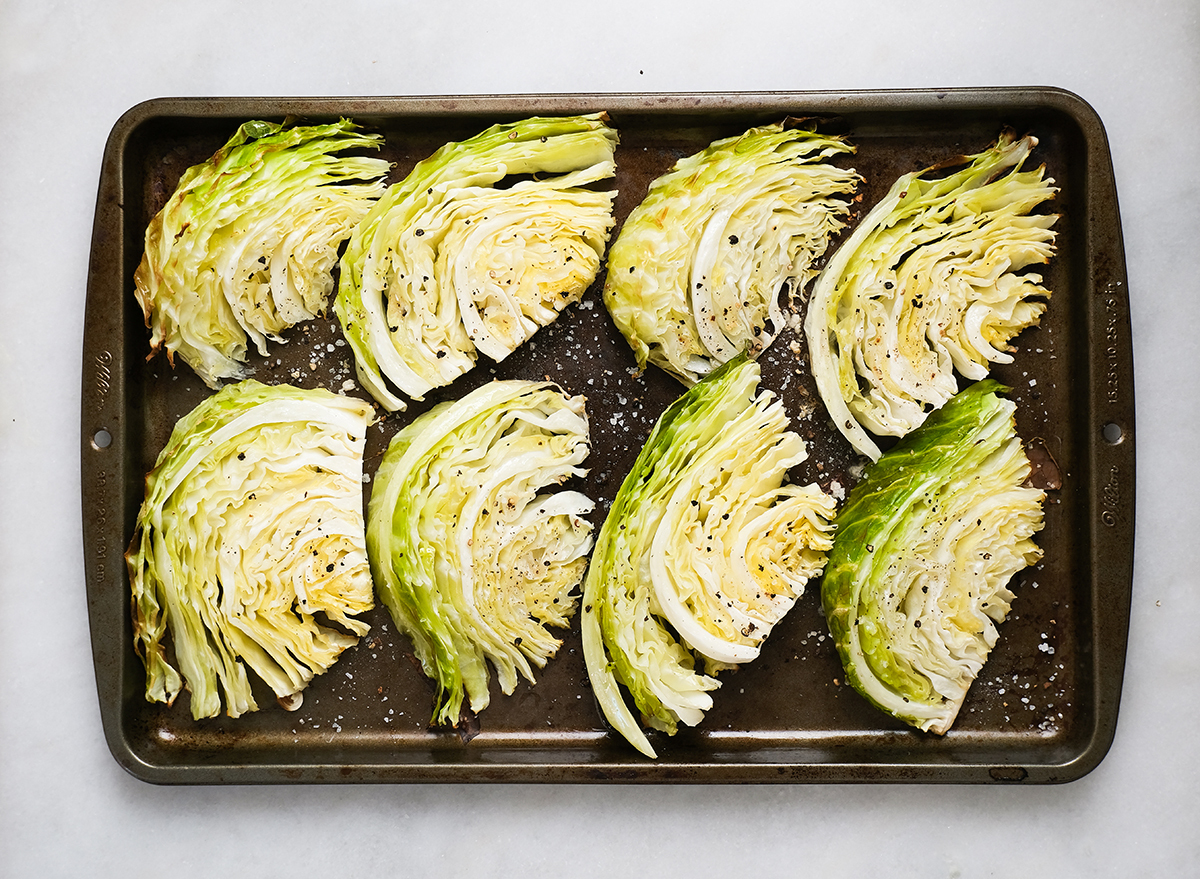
pixel 101 439
pixel 1112 433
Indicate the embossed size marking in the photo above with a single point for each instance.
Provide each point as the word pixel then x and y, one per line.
pixel 1111 338
pixel 99 523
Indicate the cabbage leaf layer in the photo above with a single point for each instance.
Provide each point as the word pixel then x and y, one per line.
pixel 918 577
pixel 482 244
pixel 252 525
pixel 703 552
pixel 699 268
pixel 931 281
pixel 471 557
pixel 245 246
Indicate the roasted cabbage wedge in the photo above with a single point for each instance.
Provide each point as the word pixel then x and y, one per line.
pixel 485 242
pixel 698 271
pixel 252 531
pixel 918 577
pixel 931 281
pixel 703 551
pixel 472 557
pixel 245 246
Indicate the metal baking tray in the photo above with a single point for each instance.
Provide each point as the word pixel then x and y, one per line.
pixel 1045 707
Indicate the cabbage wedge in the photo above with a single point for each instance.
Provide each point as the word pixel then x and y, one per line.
pixel 918 577
pixel 245 246
pixel 931 281
pixel 482 244
pixel 471 557
pixel 698 270
pixel 703 552
pixel 252 525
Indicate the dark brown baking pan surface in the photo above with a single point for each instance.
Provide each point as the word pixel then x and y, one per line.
pixel 1045 706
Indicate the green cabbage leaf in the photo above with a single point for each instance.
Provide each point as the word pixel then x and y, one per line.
pixel 245 246
pixel 703 552
pixel 697 273
pixel 251 527
pixel 931 281
pixel 918 578
pixel 482 244
pixel 472 555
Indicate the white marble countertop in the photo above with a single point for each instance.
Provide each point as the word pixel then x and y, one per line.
pixel 69 70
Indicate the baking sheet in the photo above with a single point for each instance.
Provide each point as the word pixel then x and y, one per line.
pixel 1045 707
